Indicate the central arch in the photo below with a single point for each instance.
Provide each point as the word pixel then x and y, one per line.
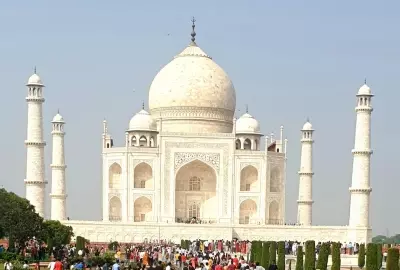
pixel 143 209
pixel 196 192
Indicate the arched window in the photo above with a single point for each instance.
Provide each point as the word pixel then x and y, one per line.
pixel 133 141
pixel 143 141
pixel 152 142
pixel 194 211
pixel 194 183
pixel 237 144
pixel 247 144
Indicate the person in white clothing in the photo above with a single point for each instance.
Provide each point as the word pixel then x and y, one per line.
pixel 8 265
pixel 51 264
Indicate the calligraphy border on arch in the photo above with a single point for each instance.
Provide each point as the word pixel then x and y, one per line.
pixel 195 145
pixel 182 158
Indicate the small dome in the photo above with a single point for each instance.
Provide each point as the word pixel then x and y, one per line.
pixel 247 124
pixel 364 90
pixel 142 121
pixel 58 118
pixel 35 80
pixel 307 126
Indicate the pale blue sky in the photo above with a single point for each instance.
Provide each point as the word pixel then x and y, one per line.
pixel 287 59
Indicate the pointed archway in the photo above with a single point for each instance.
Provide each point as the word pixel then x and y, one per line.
pixel 196 193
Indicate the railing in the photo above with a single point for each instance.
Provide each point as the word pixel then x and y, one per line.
pixel 196 221
pixel 115 218
pixel 275 221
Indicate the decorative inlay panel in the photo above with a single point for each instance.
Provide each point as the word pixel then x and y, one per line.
pixel 211 159
pixel 169 164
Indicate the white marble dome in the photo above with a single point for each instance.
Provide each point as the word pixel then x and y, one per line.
pixel 307 126
pixel 35 80
pixel 142 121
pixel 247 124
pixel 193 94
pixel 364 90
pixel 58 118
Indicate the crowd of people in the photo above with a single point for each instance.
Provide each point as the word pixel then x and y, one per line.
pixel 197 255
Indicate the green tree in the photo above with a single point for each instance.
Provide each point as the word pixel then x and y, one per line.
pixel 19 221
pixel 59 234
pixel 309 262
pixel 361 256
pixel 272 253
pixel 392 262
pixel 265 255
pixel 300 259
pixel 323 256
pixel 371 256
pixel 335 256
pixel 281 255
pixel 379 256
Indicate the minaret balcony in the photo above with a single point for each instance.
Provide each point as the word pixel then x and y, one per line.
pixel 360 190
pixel 33 182
pixel 35 99
pixel 60 166
pixel 42 143
pixel 362 152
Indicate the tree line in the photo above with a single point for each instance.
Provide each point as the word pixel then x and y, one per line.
pixel 19 223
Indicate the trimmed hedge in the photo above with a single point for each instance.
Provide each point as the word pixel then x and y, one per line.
pixel 256 251
pixel 80 243
pixel 281 255
pixel 361 256
pixel 309 262
pixel 323 256
pixel 272 253
pixel 335 256
pixel 392 261
pixel 371 256
pixel 300 261
pixel 379 256
pixel 265 255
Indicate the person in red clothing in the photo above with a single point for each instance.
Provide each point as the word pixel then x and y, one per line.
pixel 58 265
pixel 235 261
pixel 218 267
pixel 232 266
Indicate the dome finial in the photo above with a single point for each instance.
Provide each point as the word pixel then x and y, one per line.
pixel 247 108
pixel 34 70
pixel 143 105
pixel 58 110
pixel 193 34
pixel 365 81
pixel 308 119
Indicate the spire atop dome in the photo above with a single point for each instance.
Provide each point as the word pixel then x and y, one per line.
pixel 34 70
pixel 247 108
pixel 365 81
pixel 143 105
pixel 193 34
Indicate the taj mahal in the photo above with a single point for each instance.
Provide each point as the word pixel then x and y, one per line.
pixel 190 170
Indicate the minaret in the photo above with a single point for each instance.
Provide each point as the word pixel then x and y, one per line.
pixel 35 172
pixel 360 182
pixel 58 195
pixel 304 211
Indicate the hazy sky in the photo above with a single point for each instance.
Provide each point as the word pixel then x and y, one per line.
pixel 288 60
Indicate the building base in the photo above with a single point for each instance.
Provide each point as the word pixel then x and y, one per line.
pixel 130 232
